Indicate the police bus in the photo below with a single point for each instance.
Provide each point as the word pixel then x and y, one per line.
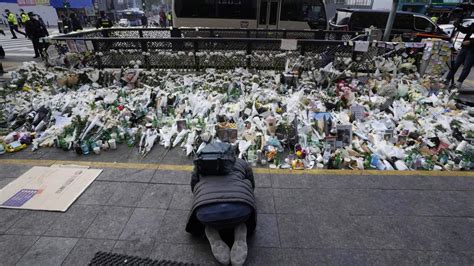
pixel 267 14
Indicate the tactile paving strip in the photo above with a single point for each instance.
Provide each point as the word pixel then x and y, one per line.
pixel 107 258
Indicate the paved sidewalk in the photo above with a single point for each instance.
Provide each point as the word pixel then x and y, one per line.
pixel 339 218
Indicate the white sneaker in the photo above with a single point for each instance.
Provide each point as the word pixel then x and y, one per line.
pixel 219 248
pixel 238 254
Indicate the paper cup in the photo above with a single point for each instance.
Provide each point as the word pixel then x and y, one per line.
pixel 112 144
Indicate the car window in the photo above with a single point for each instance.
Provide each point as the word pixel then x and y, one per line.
pixel 403 22
pixel 423 24
pixel 365 20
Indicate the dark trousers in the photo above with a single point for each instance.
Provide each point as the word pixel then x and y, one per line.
pixel 14 28
pixel 224 215
pixel 465 58
pixel 37 46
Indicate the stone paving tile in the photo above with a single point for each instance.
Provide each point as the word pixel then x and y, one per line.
pixel 436 233
pixel 13 170
pixel 138 247
pixel 5 181
pixel 348 181
pixel 431 182
pixel 294 200
pixel 266 234
pixel 172 229
pixel 372 232
pixel 127 194
pixel 197 253
pixel 263 180
pixel 75 221
pixel 264 198
pixel 109 223
pixel 293 181
pixel 85 249
pixel 299 231
pixel 182 198
pixel 8 217
pixel 172 177
pixel 34 223
pixel 13 247
pixel 157 196
pixel 144 223
pixel 126 175
pixel 396 202
pixel 48 251
pixel 98 193
pixel 372 257
pixel 264 256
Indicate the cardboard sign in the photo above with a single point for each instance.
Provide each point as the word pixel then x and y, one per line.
pixel 47 188
pixel 361 46
pixel 289 44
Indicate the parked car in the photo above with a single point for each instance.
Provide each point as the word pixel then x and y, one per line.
pixel 123 22
pixel 412 26
pixel 458 36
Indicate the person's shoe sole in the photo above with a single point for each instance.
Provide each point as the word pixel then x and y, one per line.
pixel 219 248
pixel 239 251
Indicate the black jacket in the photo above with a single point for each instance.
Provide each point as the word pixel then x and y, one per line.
pixel 468 31
pixel 76 24
pixel 34 29
pixel 237 186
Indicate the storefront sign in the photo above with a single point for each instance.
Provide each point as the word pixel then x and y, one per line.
pixel 43 2
pixel 27 2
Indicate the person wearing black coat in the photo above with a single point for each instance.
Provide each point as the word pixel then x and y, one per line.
pixel 75 23
pixel 223 202
pixel 35 30
pixel 465 56
pixel 144 20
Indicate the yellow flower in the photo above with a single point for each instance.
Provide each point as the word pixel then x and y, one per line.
pixel 299 153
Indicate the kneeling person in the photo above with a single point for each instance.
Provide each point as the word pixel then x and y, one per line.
pixel 223 199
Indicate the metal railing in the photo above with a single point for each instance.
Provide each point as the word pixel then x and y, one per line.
pixel 138 32
pixel 228 53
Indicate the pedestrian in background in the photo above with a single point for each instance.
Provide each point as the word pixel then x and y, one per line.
pixel 144 20
pixel 103 21
pixel 23 17
pixel 75 23
pixel 20 23
pixel 162 18
pixel 465 56
pixel 35 30
pixel 13 24
pixel 169 17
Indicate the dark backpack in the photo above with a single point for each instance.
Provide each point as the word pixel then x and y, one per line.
pixel 215 159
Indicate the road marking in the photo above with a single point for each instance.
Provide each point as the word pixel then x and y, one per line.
pixel 189 168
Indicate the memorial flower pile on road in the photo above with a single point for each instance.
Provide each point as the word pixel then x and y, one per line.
pixel 391 119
